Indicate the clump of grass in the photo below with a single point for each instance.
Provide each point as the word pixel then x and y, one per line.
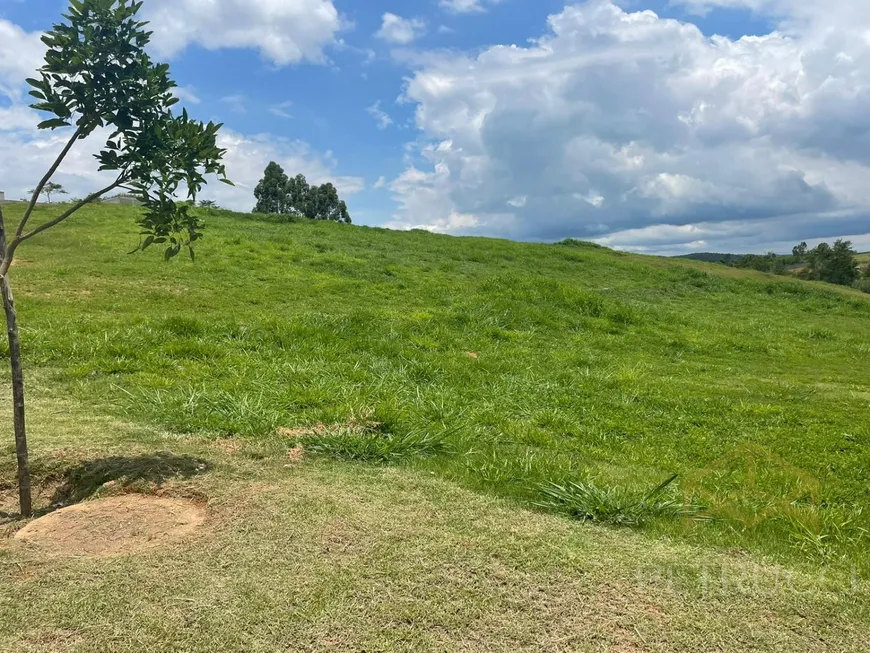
pixel 615 506
pixel 825 536
pixel 372 445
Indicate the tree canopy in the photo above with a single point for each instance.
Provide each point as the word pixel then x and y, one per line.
pixel 271 192
pixel 835 264
pixel 51 188
pixel 277 193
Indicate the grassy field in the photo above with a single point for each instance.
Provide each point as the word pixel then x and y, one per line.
pixel 552 378
pixel 338 556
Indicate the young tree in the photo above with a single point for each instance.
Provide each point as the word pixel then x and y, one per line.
pixel 50 189
pixel 271 192
pixel 98 76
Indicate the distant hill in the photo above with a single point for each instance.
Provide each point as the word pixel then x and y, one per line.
pixel 710 257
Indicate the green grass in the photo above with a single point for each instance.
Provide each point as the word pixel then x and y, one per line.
pixel 345 556
pixel 615 506
pixel 509 366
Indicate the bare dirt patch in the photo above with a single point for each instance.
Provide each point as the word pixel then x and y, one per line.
pixel 303 431
pixel 114 526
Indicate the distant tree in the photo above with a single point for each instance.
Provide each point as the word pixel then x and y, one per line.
pixel 800 252
pixel 271 192
pixel 298 195
pixel 276 193
pixel 770 262
pixel 208 204
pixel 50 189
pixel 835 264
pixel 98 74
pixel 324 204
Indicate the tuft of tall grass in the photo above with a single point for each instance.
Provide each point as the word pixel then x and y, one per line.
pixel 370 445
pixel 613 505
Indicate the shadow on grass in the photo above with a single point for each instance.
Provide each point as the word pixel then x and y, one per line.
pixel 67 485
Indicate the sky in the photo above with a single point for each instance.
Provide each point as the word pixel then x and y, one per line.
pixel 656 126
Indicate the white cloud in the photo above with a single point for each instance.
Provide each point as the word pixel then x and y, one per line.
pixel 21 54
pixel 186 94
pixel 26 154
pixel 248 156
pixel 616 122
pixel 398 30
pixel 284 31
pixel 375 111
pixel 466 6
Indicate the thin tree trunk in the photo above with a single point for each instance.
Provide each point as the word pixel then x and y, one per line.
pixel 24 497
pixel 17 398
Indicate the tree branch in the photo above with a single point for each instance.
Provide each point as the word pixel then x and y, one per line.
pixel 38 190
pixel 13 245
pixel 90 198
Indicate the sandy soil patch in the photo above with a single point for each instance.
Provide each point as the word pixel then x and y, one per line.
pixel 114 526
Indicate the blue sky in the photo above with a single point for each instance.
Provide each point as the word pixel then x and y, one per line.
pixel 648 126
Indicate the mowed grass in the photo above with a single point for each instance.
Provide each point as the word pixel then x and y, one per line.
pixel 315 555
pixel 519 367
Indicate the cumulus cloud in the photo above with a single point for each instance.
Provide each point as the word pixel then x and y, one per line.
pixel 623 125
pixel 248 156
pixel 284 31
pixel 398 30
pixel 21 54
pixel 26 153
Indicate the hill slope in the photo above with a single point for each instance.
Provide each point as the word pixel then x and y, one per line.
pixel 535 364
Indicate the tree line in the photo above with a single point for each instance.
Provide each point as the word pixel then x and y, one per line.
pixel 278 193
pixel 836 264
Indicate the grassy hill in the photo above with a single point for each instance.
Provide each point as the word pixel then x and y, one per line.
pixel 558 378
pixel 543 363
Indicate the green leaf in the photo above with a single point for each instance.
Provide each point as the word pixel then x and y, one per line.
pixel 54 123
pixel 172 252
